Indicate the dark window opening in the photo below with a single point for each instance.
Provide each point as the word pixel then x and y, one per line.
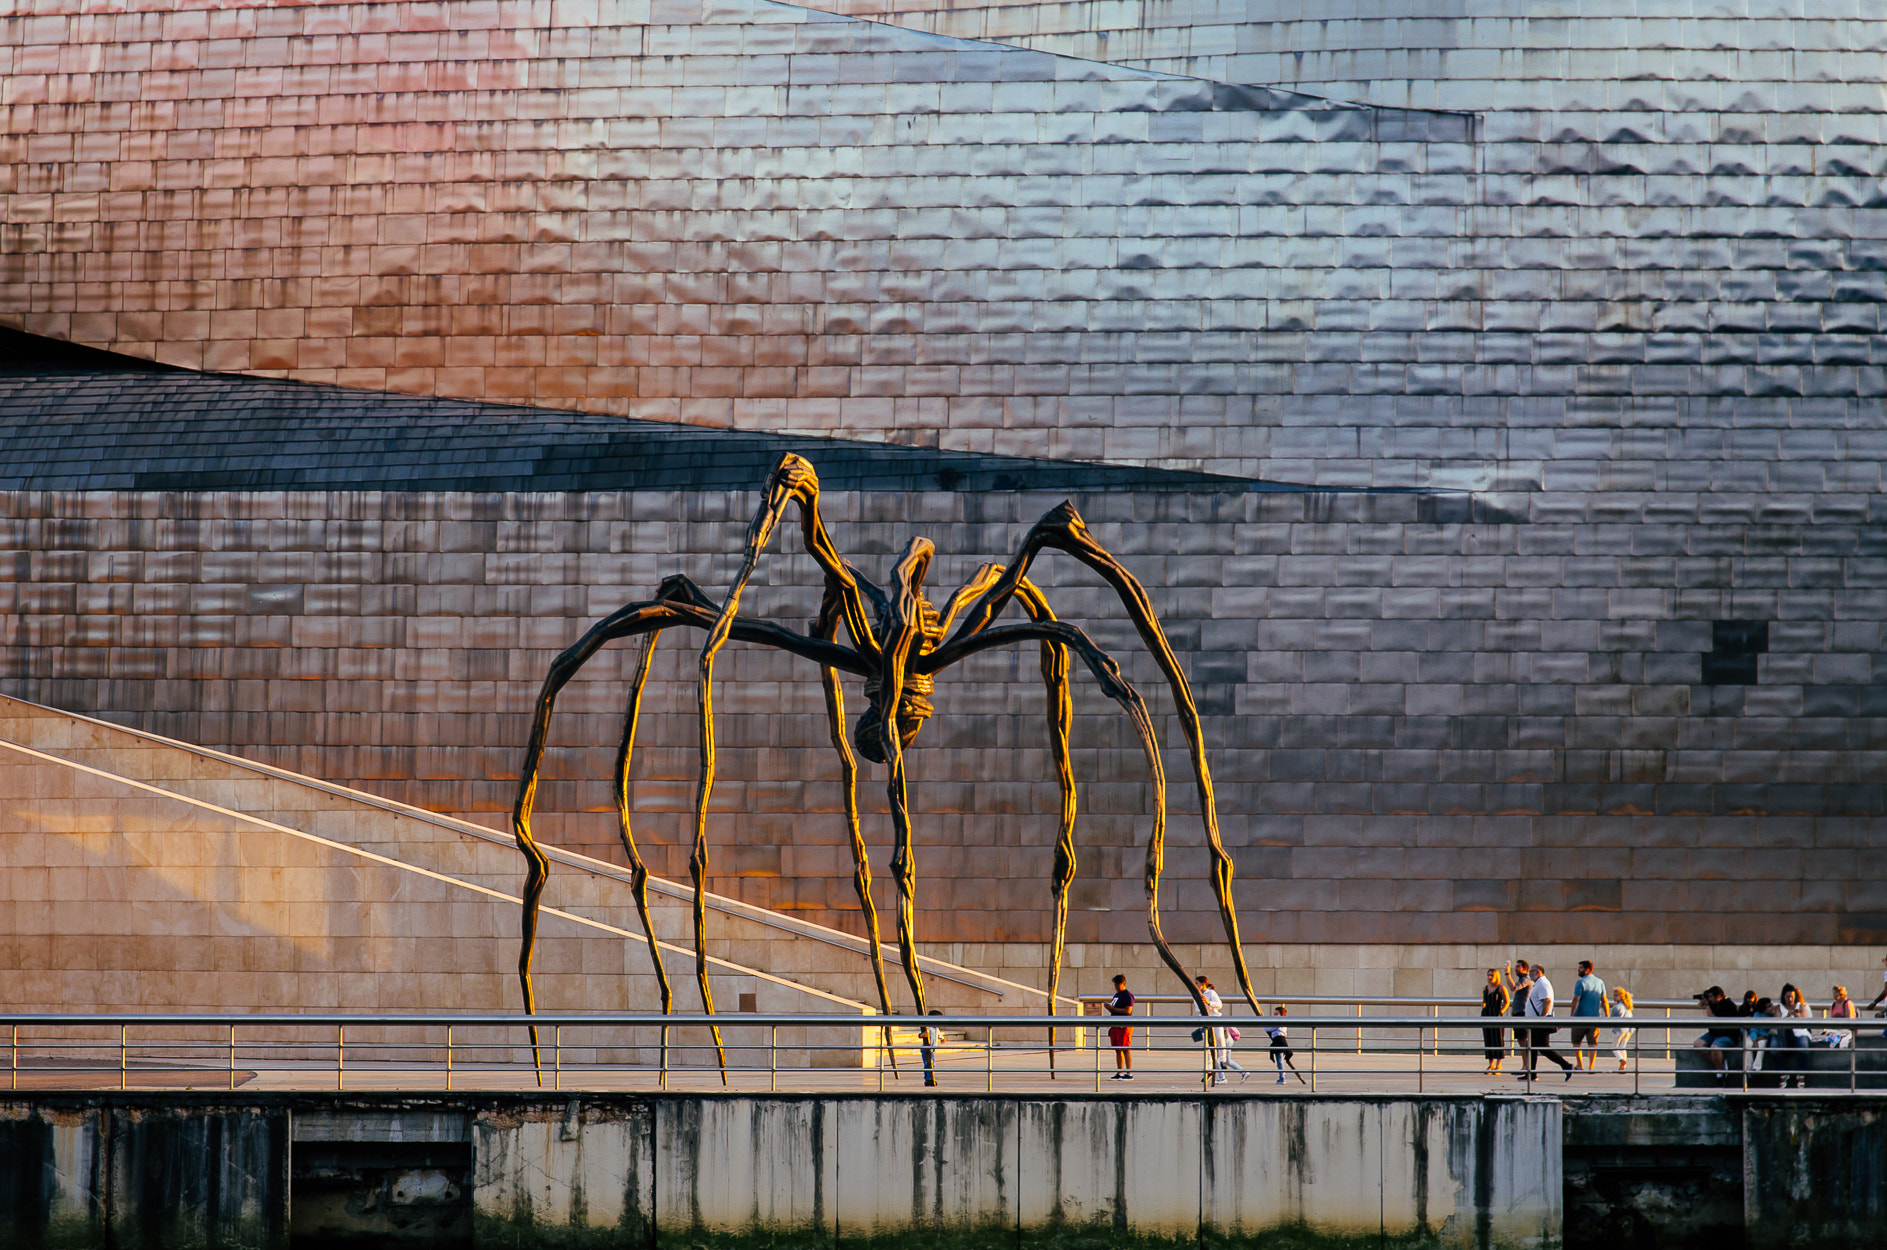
pixel 1734 646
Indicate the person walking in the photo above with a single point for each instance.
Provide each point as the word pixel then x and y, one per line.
pixel 1494 1002
pixel 1219 1041
pixel 1121 1036
pixel 1540 1007
pixel 1281 1047
pixel 1588 1001
pixel 1621 1033
pixel 1882 996
pixel 1519 978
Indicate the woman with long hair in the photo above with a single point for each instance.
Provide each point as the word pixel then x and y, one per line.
pixel 1494 1002
pixel 1793 1039
pixel 1621 1033
pixel 1219 1041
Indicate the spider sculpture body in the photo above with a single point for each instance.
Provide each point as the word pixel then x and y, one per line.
pixel 899 641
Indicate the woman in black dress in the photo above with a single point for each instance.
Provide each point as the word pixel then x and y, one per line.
pixel 1493 1003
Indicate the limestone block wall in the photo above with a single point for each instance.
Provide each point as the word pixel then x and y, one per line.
pixel 741 938
pixel 1530 728
pixel 123 896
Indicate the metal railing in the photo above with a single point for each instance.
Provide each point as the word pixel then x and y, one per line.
pixel 824 1053
pixel 1643 1010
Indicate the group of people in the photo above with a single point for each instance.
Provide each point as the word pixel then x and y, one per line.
pixel 1217 1040
pixel 1773 1049
pixel 1523 990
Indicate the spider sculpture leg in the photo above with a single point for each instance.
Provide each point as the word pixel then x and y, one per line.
pixel 826 627
pixel 1117 688
pixel 639 871
pixel 679 602
pixel 791 482
pixel 1061 711
pixel 1062 529
pixel 903 633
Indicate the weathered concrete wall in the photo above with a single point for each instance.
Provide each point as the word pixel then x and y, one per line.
pixel 83 1173
pixel 582 1170
pixel 1815 1179
pixel 1109 1171
pixel 186 1171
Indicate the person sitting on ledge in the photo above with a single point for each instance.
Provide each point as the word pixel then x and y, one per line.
pixel 1713 1043
pixel 1842 1008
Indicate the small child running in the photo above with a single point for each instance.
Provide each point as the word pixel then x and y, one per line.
pixel 1281 1047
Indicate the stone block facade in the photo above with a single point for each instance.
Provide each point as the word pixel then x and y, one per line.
pixel 1433 719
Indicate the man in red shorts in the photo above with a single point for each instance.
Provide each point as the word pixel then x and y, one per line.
pixel 1121 1036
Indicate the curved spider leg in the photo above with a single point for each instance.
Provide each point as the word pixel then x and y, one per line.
pixel 902 634
pixel 680 602
pixel 639 871
pixel 1117 688
pixel 636 618
pixel 825 627
pixel 980 581
pixel 1061 711
pixel 1062 529
pixel 792 481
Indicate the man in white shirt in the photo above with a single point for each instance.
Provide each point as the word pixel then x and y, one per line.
pixel 1540 1006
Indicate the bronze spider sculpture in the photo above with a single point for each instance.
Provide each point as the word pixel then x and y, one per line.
pixel 898 645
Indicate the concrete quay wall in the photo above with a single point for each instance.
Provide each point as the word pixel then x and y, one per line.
pixel 497 1170
pixel 484 1170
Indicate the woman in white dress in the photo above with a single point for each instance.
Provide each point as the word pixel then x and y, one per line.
pixel 1219 1041
pixel 1621 1033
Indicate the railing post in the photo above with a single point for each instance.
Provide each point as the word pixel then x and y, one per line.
pixel 664 1075
pixel 340 1057
pixel 1313 1053
pixel 1854 1046
pixel 1095 1033
pixel 773 1058
pixel 989 1060
pixel 1419 1054
pixel 1359 1026
pixel 556 1057
pixel 448 1056
pixel 232 1055
pixel 1637 1060
pixel 16 1056
pixel 124 1059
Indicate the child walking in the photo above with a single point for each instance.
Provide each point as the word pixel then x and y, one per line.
pixel 1281 1047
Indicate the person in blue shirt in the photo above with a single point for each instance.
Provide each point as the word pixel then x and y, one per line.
pixel 1121 1036
pixel 1588 999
